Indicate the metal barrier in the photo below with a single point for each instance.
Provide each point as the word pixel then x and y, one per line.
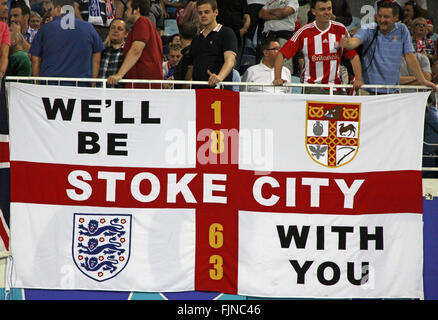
pixel 169 84
pixel 240 86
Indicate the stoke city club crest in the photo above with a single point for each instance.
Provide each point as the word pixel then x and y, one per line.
pixel 332 132
pixel 101 244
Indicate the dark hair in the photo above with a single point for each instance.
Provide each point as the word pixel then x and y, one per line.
pixel 188 30
pixel 313 3
pixel 21 4
pixel 143 5
pixel 390 5
pixel 213 3
pixel 266 43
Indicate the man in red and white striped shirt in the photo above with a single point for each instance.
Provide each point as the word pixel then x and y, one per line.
pixel 319 42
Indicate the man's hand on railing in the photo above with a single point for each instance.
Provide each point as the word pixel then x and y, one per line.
pixel 357 84
pixel 114 79
pixel 429 84
pixel 214 79
pixel 278 82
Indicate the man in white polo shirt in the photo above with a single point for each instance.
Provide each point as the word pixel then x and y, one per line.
pixel 264 71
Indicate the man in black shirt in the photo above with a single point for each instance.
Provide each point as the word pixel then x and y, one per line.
pixel 213 52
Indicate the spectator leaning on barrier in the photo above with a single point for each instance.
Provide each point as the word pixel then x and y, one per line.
pixel 66 46
pixel 385 43
pixel 5 41
pixel 143 51
pixel 19 16
pixel 112 55
pixel 213 52
pixel 264 71
pixel 319 42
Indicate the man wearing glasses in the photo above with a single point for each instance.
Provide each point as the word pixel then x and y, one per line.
pixel 264 71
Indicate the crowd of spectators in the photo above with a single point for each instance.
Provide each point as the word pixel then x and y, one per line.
pixel 215 41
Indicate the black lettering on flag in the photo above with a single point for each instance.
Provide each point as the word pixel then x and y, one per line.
pixel 86 110
pixel 58 105
pixel 365 237
pixel 88 139
pixel 364 273
pixel 145 114
pixel 119 114
pixel 342 235
pixel 292 232
pixel 301 271
pixel 114 141
pixel 320 238
pixel 336 273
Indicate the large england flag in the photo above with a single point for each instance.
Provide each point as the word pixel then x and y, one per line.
pixel 271 195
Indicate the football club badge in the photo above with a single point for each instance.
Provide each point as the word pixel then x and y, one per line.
pixel 101 244
pixel 332 132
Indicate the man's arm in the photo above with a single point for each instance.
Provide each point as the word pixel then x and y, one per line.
pixel 277 70
pixel 350 43
pixel 96 63
pixel 357 70
pixel 188 77
pixel 36 64
pixel 129 61
pixel 412 81
pixel 230 61
pixel 414 67
pixel 246 23
pixel 276 14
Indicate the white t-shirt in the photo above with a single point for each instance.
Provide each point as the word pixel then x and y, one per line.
pixel 287 23
pixel 261 73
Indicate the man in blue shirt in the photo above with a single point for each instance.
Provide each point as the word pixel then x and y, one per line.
pixel 383 46
pixel 66 47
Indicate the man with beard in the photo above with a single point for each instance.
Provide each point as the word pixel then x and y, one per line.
pixel 384 43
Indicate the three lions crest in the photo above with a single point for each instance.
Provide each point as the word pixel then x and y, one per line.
pixel 101 244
